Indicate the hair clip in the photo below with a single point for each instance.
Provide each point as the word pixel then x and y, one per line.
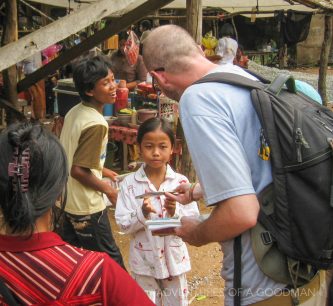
pixel 19 169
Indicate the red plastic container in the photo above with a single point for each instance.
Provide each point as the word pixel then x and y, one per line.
pixel 122 96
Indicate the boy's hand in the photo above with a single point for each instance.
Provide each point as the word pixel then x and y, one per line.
pixel 147 208
pixel 112 196
pixel 110 174
pixel 170 207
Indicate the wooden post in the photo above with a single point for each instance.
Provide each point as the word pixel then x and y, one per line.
pixel 194 19
pixel 324 55
pixel 156 22
pixel 194 27
pixel 10 74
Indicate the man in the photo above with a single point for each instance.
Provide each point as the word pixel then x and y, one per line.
pixel 84 137
pixel 222 131
pixel 123 70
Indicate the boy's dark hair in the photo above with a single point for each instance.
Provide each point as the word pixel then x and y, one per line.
pixel 88 71
pixel 154 124
pixel 146 25
pixel 22 204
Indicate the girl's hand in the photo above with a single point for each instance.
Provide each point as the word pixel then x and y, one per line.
pixel 147 208
pixel 170 207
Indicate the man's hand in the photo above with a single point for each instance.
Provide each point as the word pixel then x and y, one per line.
pixel 188 231
pixel 186 193
pixel 183 195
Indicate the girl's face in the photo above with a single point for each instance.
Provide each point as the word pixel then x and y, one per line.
pixel 156 149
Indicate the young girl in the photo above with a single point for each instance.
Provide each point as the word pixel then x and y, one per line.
pixel 158 263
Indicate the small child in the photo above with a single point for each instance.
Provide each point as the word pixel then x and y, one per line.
pixel 158 264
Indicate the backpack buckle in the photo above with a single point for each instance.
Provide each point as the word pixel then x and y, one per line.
pixel 266 238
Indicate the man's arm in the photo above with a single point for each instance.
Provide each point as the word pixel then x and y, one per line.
pixel 229 218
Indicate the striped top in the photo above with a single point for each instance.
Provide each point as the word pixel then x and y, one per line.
pixel 46 270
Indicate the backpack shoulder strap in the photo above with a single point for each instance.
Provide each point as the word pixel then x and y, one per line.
pixel 238 80
pixel 281 80
pixel 231 79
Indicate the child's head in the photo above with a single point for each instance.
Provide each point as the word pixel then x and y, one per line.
pixel 145 25
pixel 33 174
pixel 88 72
pixel 156 141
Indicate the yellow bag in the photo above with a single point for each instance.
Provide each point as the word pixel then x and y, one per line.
pixel 209 42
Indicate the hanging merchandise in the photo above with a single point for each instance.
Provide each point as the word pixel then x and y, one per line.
pixel 131 48
pixel 294 27
pixel 209 42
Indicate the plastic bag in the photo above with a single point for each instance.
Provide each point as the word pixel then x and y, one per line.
pixel 209 42
pixel 131 48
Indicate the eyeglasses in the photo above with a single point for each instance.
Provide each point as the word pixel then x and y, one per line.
pixel 155 85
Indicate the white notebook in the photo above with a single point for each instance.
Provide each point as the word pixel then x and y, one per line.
pixel 162 223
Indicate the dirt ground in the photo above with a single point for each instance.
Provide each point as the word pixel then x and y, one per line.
pixel 205 282
pixel 312 70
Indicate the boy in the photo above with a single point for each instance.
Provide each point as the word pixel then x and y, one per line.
pixel 84 137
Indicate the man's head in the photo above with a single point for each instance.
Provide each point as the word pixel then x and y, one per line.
pixel 174 59
pixel 122 38
pixel 88 72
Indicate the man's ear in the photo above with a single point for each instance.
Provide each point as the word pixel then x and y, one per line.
pixel 160 76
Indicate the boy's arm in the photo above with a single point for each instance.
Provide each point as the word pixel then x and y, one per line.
pixel 88 156
pixel 88 179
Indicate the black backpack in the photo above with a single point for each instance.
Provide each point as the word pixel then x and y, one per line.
pixel 296 210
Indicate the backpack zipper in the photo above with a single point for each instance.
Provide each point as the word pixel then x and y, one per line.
pixel 323 124
pixel 300 142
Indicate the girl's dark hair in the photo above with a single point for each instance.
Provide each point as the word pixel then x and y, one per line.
pixel 154 124
pixel 88 71
pixel 48 174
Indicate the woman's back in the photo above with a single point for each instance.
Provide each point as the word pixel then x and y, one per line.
pixel 36 265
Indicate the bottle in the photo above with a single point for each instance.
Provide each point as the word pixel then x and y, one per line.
pixel 149 78
pixel 122 96
pixel 133 116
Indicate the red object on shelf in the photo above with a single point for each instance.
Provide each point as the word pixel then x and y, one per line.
pixel 122 96
pixel 147 87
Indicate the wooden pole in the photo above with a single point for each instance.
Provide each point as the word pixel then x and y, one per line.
pixel 194 19
pixel 194 27
pixel 10 74
pixel 324 55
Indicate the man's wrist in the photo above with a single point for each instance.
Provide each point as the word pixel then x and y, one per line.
pixel 192 194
